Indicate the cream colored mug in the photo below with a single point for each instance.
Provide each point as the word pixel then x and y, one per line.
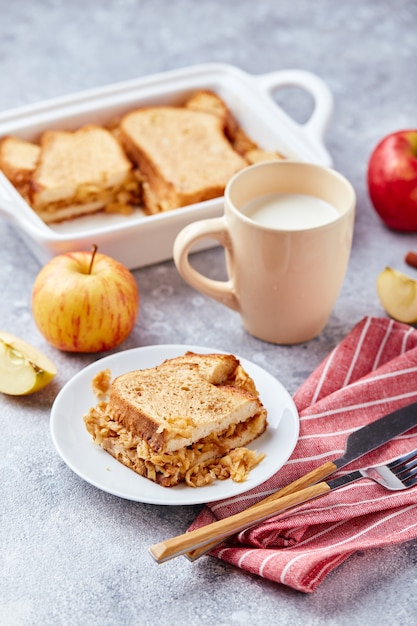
pixel 287 231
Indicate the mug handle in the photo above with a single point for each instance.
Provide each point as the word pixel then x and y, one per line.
pixel 215 228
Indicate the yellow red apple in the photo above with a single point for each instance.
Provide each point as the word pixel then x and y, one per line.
pixel 392 180
pixel 23 368
pixel 85 302
pixel 398 295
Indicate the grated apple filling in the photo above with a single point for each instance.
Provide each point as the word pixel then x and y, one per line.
pixel 117 199
pixel 199 464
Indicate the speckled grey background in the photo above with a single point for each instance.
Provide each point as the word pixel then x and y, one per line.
pixel 71 554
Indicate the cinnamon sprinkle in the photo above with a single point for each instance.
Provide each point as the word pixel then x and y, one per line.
pixel 411 259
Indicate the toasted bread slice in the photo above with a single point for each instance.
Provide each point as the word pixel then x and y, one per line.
pixel 198 464
pixel 184 155
pixel 209 102
pixel 166 421
pixel 18 161
pixel 214 368
pixel 257 155
pixel 82 172
pixel 220 369
pixel 153 410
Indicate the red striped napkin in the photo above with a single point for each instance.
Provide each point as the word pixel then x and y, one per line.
pixel 371 372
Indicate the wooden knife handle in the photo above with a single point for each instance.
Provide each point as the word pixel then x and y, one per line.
pixel 301 483
pixel 230 525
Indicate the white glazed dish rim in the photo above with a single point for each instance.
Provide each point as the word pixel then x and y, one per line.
pixel 249 97
pixel 75 445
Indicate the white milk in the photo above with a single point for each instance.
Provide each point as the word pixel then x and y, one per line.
pixel 290 211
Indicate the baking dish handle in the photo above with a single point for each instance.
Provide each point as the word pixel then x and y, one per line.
pixel 318 122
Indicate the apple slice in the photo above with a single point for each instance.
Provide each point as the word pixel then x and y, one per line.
pixel 23 368
pixel 398 295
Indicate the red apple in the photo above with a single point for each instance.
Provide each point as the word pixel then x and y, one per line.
pixel 85 302
pixel 392 180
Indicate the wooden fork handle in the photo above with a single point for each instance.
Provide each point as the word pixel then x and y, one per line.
pixel 301 483
pixel 230 525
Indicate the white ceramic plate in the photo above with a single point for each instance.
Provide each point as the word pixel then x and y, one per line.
pixel 100 469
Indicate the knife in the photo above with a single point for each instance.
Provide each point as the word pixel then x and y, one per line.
pixel 358 443
pixel 398 474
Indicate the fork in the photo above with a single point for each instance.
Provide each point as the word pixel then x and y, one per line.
pixel 396 475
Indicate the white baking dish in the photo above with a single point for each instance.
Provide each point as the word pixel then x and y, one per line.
pixel 138 240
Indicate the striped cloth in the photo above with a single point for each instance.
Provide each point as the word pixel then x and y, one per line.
pixel 373 371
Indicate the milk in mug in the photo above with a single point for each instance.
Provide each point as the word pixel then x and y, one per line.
pixel 290 211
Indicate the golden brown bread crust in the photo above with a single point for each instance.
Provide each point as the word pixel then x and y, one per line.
pixel 181 155
pixel 210 102
pixel 18 161
pixel 79 168
pixel 184 155
pixel 167 422
pixel 173 405
pixel 220 369
pixel 71 173
pixel 216 368
pixel 191 464
pixel 256 155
